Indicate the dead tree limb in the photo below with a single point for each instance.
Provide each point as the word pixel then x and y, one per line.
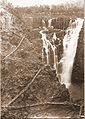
pixel 22 38
pixel 15 48
pixel 21 92
pixel 41 104
pixel 80 112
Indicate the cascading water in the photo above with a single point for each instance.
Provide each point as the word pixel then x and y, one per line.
pixel 46 48
pixel 49 22
pixel 43 24
pixel 70 42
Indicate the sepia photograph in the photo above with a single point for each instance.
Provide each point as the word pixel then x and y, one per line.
pixel 42 59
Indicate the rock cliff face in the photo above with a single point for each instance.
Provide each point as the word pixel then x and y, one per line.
pixel 60 23
pixel 78 68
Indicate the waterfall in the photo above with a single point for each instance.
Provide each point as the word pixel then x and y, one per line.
pixel 49 22
pixel 46 45
pixel 54 36
pixel 45 49
pixel 70 43
pixel 43 24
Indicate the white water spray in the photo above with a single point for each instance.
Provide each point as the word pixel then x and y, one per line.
pixel 43 24
pixel 45 48
pixel 46 44
pixel 49 22
pixel 70 42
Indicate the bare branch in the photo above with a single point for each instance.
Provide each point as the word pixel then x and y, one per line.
pixel 22 38
pixel 15 49
pixel 21 92
pixel 42 103
pixel 80 112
